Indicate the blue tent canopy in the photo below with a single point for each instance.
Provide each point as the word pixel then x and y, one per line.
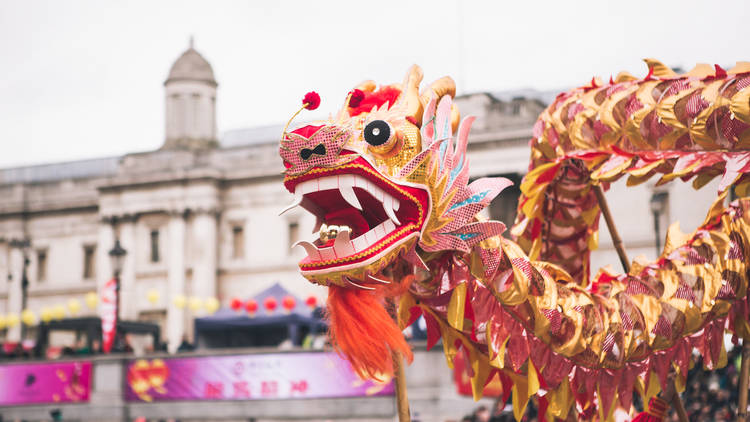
pixel 229 328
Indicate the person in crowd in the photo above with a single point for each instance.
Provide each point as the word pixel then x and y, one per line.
pixel 185 345
pixel 96 346
pixel 81 348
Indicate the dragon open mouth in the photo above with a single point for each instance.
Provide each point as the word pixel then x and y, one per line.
pixel 360 215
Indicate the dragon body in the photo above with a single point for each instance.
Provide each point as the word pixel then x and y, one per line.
pixel 387 179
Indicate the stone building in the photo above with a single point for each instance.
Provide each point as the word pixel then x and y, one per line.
pixel 199 216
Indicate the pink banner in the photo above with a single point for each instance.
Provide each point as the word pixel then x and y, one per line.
pixel 248 377
pixel 62 382
pixel 109 314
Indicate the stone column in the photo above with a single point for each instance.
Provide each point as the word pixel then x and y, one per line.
pixel 205 259
pixel 175 279
pixel 15 291
pixel 128 300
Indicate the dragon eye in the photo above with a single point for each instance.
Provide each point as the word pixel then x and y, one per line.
pixel 378 132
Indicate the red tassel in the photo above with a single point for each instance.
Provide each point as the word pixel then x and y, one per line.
pixel 363 332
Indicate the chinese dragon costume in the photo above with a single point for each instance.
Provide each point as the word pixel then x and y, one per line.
pixel 387 179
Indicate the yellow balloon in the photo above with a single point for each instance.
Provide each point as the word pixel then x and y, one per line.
pixel 74 306
pixel 58 312
pixel 28 317
pixel 92 300
pixel 153 296
pixel 212 305
pixel 11 320
pixel 180 301
pixel 3 322
pixel 195 303
pixel 45 315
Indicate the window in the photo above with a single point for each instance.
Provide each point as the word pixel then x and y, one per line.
pixel 516 109
pixel 41 265
pixel 155 246
pixel 89 262
pixel 238 242
pixel 293 233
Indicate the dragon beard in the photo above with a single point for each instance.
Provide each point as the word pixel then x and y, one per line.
pixel 364 331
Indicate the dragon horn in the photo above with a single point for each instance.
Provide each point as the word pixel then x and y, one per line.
pixel 410 94
pixel 439 88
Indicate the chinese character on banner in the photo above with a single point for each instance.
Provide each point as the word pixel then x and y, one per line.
pixel 269 388
pixel 299 387
pixel 109 314
pixel 213 390
pixel 241 389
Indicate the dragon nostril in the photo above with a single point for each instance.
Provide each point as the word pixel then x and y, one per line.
pixel 306 153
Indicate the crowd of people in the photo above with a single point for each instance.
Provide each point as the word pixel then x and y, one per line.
pixel 501 412
pixel 709 396
pixel 81 347
pixel 712 395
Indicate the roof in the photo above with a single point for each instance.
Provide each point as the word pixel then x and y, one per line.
pixel 259 135
pixel 191 66
pixel 98 167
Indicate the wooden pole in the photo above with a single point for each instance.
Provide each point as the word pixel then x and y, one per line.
pixel 671 394
pixel 677 403
pixel 402 399
pixel 744 375
pixel 616 240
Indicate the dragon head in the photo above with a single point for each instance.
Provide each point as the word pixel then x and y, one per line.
pixel 385 180
pixel 388 185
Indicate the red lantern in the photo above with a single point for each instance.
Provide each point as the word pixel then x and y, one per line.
pixel 251 306
pixel 288 303
pixel 270 304
pixel 311 301
pixel 235 304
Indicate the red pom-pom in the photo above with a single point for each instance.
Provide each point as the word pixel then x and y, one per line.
pixel 270 303
pixel 356 98
pixel 311 301
pixel 288 303
pixel 251 306
pixel 235 304
pixel 311 101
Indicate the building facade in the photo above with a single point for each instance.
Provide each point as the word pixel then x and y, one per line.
pixel 199 217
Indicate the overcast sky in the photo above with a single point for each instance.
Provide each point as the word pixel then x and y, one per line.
pixel 83 79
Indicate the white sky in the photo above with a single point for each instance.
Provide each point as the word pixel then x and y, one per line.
pixel 83 79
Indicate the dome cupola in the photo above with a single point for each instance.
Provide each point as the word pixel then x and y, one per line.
pixel 190 90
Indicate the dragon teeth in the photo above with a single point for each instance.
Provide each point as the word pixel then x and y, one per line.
pixel 311 250
pixel 345 184
pixel 347 192
pixel 390 209
pixel 343 245
pixel 297 200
